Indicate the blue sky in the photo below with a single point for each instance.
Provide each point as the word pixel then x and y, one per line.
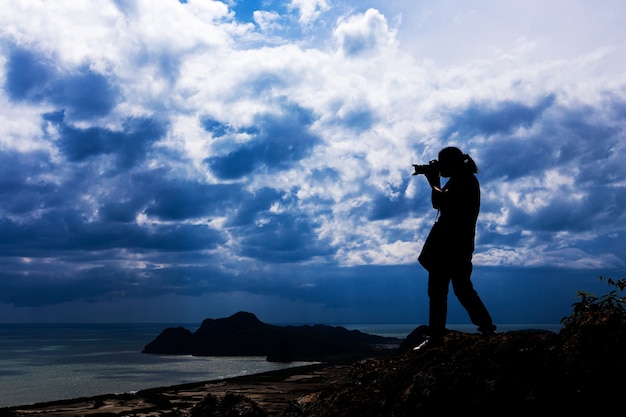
pixel 166 161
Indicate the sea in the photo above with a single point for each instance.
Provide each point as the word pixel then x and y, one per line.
pixel 50 362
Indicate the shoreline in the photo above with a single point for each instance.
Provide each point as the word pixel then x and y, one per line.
pixel 273 390
pixel 164 396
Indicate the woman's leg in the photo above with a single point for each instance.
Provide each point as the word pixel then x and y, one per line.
pixel 438 283
pixel 469 299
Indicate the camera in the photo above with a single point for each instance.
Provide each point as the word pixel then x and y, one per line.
pixel 431 168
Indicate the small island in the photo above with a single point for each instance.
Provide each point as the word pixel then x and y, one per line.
pixel 243 334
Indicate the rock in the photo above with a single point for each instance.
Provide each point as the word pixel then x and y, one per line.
pixel 577 372
pixel 417 336
pixel 173 340
pixel 243 334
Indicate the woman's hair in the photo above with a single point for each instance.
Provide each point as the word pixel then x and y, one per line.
pixel 459 159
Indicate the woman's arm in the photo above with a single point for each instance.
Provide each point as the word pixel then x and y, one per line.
pixel 436 193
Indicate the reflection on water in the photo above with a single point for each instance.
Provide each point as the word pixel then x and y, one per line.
pixel 41 363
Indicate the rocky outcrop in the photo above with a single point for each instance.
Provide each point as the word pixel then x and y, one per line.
pixel 577 372
pixel 243 334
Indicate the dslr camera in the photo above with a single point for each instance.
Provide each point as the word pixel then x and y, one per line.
pixel 431 168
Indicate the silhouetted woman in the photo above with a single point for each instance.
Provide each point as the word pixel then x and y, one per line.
pixel 447 252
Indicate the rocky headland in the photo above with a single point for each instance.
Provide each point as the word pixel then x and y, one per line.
pixel 243 334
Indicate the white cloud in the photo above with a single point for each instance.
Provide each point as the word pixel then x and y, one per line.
pixel 309 10
pixel 453 33
pixel 361 35
pixel 266 20
pixel 70 31
pixel 20 129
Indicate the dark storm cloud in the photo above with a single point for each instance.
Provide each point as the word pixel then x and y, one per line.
pixel 384 207
pixel 127 145
pixel 249 205
pixel 596 211
pixel 562 137
pixel 396 205
pixel 68 230
pixel 490 238
pixel 284 238
pixel 123 210
pixel 513 157
pixel 501 118
pixel 27 76
pixel 23 186
pixel 108 282
pixel 160 194
pixel 277 143
pixel 47 210
pixel 215 127
pixel 83 93
pixel 180 200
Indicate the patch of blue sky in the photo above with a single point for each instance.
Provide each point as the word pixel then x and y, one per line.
pixel 244 9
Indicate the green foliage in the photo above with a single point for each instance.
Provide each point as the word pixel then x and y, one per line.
pixel 612 303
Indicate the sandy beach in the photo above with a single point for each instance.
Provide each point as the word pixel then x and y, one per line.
pixel 272 391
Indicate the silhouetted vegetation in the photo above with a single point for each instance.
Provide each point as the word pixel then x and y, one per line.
pixel 608 304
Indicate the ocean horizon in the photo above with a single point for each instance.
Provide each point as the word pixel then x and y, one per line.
pixel 51 362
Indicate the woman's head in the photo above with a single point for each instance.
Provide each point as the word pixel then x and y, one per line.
pixel 452 161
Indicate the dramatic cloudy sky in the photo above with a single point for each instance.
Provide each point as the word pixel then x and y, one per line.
pixel 168 161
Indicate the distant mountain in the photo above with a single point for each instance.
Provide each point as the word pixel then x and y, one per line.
pixel 243 334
